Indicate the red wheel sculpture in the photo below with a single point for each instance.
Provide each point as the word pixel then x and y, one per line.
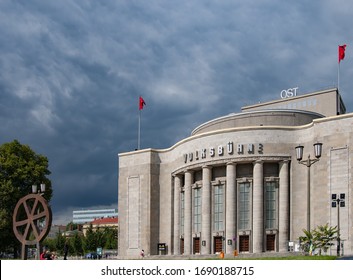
pixel 31 220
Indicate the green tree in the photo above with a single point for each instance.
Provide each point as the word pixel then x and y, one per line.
pixel 71 226
pixel 307 242
pixel 111 238
pixel 90 240
pixel 77 244
pixel 20 168
pixel 60 243
pixel 320 238
pixel 50 243
pixel 324 236
pixel 100 237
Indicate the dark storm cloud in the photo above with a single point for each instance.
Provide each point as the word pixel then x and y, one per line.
pixel 71 73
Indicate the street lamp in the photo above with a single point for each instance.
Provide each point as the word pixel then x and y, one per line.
pixel 39 191
pixel 338 202
pixel 36 190
pixel 308 163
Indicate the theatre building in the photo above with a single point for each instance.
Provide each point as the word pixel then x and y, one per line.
pixel 238 183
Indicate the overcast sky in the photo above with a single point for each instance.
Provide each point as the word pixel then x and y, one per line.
pixel 71 73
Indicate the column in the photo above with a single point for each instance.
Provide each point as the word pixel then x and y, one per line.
pixel 177 189
pixel 230 207
pixel 258 225
pixel 283 217
pixel 206 210
pixel 188 212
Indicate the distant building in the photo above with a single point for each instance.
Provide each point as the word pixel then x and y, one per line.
pixel 89 215
pixel 64 231
pixel 72 233
pixel 101 223
pixel 55 229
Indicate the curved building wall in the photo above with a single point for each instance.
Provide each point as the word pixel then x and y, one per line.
pixel 259 118
pixel 235 188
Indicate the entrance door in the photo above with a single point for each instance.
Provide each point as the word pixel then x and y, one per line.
pixel 217 244
pixel 182 246
pixel 244 243
pixel 270 242
pixel 196 245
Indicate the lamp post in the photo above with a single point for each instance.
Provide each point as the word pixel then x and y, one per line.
pixel 308 163
pixel 39 191
pixel 338 201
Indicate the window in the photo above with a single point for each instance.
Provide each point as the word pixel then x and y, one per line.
pixel 244 205
pixel 197 210
pixel 271 204
pixel 218 207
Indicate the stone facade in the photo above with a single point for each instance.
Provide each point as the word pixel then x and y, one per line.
pixel 235 183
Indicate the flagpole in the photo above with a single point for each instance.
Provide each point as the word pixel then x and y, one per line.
pixel 338 77
pixel 341 55
pixel 139 131
pixel 338 69
pixel 141 104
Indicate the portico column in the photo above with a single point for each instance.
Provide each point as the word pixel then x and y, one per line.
pixel 188 212
pixel 230 208
pixel 283 220
pixel 258 235
pixel 177 189
pixel 206 210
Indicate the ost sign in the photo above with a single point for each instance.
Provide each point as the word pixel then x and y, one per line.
pixel 289 92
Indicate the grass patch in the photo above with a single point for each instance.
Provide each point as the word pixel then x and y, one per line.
pixel 311 258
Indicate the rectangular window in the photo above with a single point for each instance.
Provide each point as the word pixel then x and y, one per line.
pixel 244 205
pixel 271 204
pixel 218 208
pixel 197 210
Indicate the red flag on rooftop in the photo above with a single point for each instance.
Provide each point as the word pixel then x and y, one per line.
pixel 141 103
pixel 341 52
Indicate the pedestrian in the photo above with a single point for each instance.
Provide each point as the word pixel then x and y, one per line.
pixel 48 255
pixel 53 256
pixel 66 249
pixel 42 256
pixel 142 254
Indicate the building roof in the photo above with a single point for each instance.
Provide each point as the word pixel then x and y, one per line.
pixel 104 221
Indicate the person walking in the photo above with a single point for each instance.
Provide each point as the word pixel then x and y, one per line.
pixel 66 249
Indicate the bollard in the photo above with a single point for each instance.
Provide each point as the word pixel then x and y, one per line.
pixel 221 255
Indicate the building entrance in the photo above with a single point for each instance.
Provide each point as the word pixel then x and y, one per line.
pixel 218 244
pixel 270 242
pixel 196 249
pixel 244 245
pixel 182 246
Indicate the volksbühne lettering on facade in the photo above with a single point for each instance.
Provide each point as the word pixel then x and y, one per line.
pixel 221 150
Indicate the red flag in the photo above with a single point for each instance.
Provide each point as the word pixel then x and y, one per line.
pixel 341 52
pixel 141 103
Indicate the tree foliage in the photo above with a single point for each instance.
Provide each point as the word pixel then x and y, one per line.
pixel 325 236
pixel 60 243
pixel 76 245
pixel 91 240
pixel 111 238
pixel 320 238
pixel 107 238
pixel 20 168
